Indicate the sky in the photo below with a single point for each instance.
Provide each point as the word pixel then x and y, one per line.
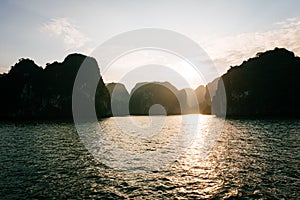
pixel 228 31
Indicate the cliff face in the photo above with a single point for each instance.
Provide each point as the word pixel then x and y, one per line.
pixel 185 101
pixel 204 99
pixel 21 89
pixel 145 95
pixel 33 92
pixel 188 101
pixel 267 85
pixel 119 99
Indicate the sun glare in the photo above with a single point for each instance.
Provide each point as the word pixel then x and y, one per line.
pixel 153 65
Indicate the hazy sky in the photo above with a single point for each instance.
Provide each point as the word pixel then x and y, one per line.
pixel 229 31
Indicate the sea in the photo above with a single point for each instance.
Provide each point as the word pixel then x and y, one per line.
pixel 151 157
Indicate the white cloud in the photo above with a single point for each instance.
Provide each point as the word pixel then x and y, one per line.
pixel 61 27
pixel 233 50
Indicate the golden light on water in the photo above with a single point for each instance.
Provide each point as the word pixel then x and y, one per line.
pixel 164 139
pixel 199 163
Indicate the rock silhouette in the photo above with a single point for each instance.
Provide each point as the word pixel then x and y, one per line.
pixel 33 92
pixel 145 95
pixel 203 97
pixel 188 101
pixel 174 101
pixel 266 85
pixel 21 89
pixel 119 99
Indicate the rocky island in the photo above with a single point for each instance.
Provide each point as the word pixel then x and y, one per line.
pixel 31 92
pixel 267 85
pixel 263 86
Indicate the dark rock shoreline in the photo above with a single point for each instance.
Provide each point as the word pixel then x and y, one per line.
pixel 266 86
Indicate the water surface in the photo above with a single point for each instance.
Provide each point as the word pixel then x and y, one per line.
pixel 249 159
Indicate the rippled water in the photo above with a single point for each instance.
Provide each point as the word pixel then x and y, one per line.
pixel 249 159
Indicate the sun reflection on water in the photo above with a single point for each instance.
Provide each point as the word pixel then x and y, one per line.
pixel 200 162
pixel 155 141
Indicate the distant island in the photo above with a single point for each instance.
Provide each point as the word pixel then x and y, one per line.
pixel 266 85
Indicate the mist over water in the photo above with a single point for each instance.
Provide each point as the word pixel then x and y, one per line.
pixel 249 158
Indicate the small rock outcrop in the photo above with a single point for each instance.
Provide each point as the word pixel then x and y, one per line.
pixel 146 95
pixel 119 99
pixel 174 101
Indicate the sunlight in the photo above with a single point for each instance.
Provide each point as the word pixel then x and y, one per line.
pixel 153 65
pixel 199 159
